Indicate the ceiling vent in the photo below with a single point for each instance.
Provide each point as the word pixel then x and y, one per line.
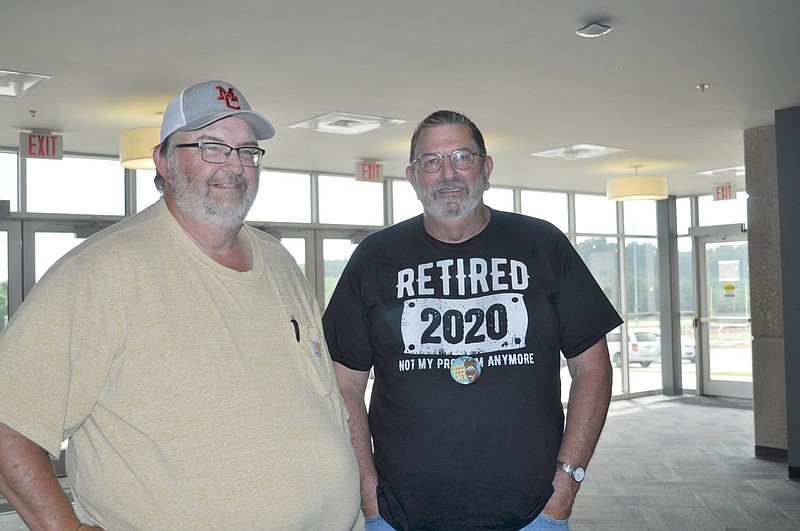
pixel 595 29
pixel 344 123
pixel 728 173
pixel 17 84
pixel 578 152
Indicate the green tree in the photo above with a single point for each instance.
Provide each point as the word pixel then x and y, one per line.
pixel 641 278
pixel 600 255
pixel 333 270
pixel 3 303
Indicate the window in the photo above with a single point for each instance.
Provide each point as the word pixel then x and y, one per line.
pixel 683 207
pixel 641 257
pixel 50 246
pixel 3 278
pixel 550 206
pixel 343 200
pixel 297 248
pixel 76 186
pixel 146 192
pixel 601 230
pixel 336 252
pixel 643 314
pixel 640 217
pixel 722 212
pixel 8 179
pixel 405 204
pixel 594 214
pixel 499 199
pixel 283 197
pixel 686 305
pixel 646 336
pixel 600 255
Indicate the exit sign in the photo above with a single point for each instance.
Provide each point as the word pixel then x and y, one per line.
pixel 723 192
pixel 41 146
pixel 369 171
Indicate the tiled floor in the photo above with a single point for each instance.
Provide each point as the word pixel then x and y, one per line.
pixel 673 464
pixel 678 464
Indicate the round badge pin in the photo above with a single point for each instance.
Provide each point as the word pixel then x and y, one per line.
pixel 465 370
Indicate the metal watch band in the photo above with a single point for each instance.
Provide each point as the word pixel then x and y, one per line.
pixel 577 473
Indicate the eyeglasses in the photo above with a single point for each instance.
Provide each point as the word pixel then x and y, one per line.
pixel 218 153
pixel 461 159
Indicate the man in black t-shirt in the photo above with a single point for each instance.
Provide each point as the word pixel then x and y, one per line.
pixel 463 313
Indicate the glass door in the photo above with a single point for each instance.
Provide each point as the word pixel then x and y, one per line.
pixel 10 268
pixel 335 249
pixel 43 243
pixel 724 320
pixel 299 243
pixel 321 254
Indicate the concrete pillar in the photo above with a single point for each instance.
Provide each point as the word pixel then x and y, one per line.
pixel 766 294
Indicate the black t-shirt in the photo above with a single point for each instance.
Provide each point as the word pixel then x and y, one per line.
pixel 454 451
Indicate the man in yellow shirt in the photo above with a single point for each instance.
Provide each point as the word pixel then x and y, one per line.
pixel 180 352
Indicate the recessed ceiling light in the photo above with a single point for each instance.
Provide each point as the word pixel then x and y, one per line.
pixel 578 152
pixel 595 29
pixel 733 171
pixel 345 123
pixel 16 84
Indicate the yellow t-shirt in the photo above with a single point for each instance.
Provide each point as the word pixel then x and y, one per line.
pixel 190 397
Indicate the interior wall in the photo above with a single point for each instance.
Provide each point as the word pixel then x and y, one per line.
pixel 787 139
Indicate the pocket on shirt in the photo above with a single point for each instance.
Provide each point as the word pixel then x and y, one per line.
pixel 311 356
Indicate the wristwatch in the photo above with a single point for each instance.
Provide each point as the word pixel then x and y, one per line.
pixel 577 472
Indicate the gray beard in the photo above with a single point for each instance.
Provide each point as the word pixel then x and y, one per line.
pixel 453 208
pixel 202 207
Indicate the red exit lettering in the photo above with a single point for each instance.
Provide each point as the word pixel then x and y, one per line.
pixel 723 192
pixel 41 145
pixel 369 171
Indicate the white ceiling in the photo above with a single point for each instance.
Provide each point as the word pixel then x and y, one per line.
pixel 515 67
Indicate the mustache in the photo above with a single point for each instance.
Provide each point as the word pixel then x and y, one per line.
pixel 452 184
pixel 236 179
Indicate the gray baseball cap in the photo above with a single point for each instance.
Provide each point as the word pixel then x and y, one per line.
pixel 203 104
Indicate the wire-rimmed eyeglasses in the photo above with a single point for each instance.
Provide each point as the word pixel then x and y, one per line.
pixel 461 159
pixel 218 153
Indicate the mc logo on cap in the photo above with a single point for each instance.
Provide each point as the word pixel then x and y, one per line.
pixel 203 104
pixel 229 95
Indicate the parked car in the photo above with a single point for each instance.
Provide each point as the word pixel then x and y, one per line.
pixel 644 347
pixel 687 350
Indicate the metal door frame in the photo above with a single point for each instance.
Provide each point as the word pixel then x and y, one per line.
pixel 314 240
pixel 14 231
pixel 707 386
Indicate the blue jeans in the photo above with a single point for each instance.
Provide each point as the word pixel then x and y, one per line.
pixel 540 523
pixel 543 523
pixel 376 523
